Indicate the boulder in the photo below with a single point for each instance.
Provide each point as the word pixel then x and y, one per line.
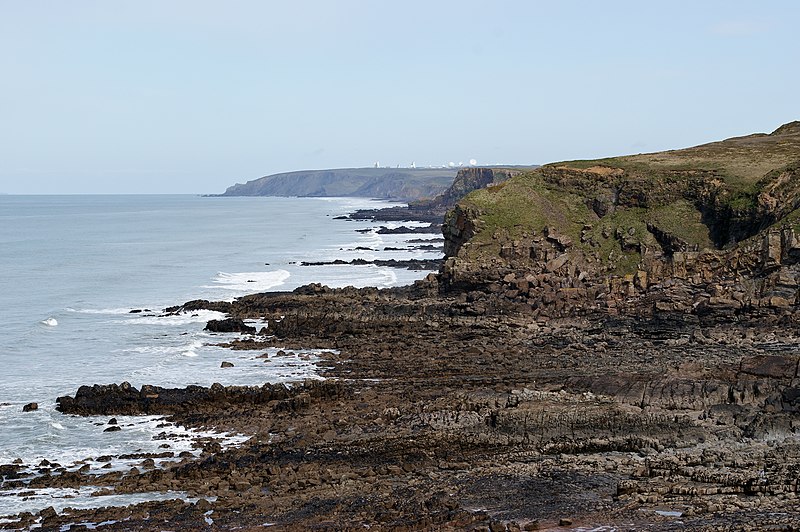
pixel 30 407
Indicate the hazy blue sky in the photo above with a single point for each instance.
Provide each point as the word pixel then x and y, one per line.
pixel 191 96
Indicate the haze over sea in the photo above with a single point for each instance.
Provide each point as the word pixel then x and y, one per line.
pixel 73 267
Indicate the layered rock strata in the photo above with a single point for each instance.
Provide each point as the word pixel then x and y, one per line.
pixel 460 412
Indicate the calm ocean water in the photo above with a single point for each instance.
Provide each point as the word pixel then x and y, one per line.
pixel 72 268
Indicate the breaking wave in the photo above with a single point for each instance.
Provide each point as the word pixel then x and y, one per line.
pixel 250 281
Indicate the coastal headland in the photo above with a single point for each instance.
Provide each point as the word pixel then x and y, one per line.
pixel 608 343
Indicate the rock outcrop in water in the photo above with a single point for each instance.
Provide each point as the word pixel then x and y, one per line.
pixel 124 399
pixel 229 325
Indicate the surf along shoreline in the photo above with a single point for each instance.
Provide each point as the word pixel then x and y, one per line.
pixel 174 407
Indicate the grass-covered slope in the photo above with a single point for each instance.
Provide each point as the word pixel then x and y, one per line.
pixel 615 211
pixel 740 161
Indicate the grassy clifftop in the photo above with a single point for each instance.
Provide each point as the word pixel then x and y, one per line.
pixel 740 161
pixel 615 211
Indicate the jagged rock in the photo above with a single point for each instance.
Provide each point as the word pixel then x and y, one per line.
pixel 30 407
pixel 127 400
pixel 229 325
pixel 777 367
pixel 557 263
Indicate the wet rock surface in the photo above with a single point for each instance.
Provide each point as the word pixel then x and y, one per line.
pixel 463 411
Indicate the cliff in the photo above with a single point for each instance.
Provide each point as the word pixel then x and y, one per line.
pixel 383 183
pixel 434 209
pixel 469 179
pixel 710 228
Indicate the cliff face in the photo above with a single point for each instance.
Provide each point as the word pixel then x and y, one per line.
pixel 467 180
pixel 383 183
pixel 710 229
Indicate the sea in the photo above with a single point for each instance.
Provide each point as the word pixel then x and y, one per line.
pixel 84 280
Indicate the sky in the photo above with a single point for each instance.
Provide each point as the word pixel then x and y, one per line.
pixel 174 96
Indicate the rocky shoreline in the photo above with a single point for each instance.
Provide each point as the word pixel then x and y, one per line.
pixel 458 411
pixel 596 352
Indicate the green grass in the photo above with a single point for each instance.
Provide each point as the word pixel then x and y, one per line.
pixel 743 202
pixel 660 189
pixel 740 161
pixel 616 251
pixel 525 204
pixel 683 220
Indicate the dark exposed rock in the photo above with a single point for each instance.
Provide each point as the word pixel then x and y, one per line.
pixel 124 399
pixel 200 304
pixel 410 264
pixel 229 325
pixel 404 230
pixel 434 411
pixel 30 407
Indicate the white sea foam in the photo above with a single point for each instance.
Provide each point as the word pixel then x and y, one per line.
pixel 191 351
pixel 374 246
pixel 360 276
pixel 84 441
pixel 99 340
pixel 60 498
pixel 350 204
pixel 250 281
pixel 50 322
pixel 151 349
pixel 89 525
pixel 183 318
pixel 199 363
pixel 338 276
pixel 410 223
